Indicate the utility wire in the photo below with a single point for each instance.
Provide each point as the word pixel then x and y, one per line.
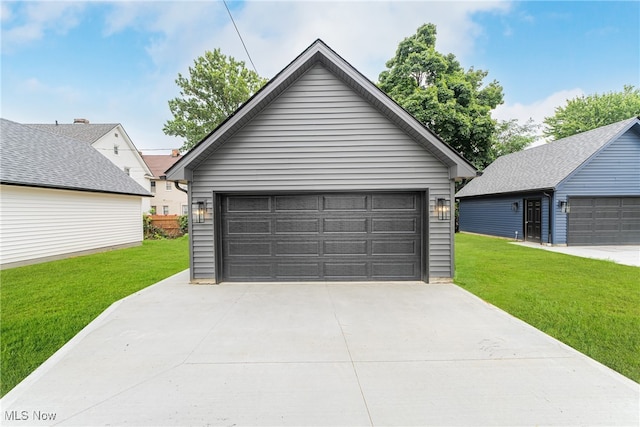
pixel 238 31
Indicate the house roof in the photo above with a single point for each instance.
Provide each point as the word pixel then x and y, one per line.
pixel 159 163
pixel 319 52
pixel 35 158
pixel 86 132
pixel 545 166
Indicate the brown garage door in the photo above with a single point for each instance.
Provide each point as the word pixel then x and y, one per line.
pixel 604 221
pixel 364 236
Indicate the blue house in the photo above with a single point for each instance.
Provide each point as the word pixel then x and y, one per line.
pixel 579 190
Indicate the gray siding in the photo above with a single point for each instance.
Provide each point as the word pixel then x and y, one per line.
pixel 615 171
pixel 319 135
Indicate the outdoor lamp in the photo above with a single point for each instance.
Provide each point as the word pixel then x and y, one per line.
pixel 564 206
pixel 197 212
pixel 514 206
pixel 443 208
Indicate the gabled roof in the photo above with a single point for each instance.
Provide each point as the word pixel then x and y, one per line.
pixel 86 132
pixel 35 158
pixel 546 166
pixel 158 163
pixel 319 52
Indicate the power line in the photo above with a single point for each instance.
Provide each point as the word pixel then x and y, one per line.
pixel 238 31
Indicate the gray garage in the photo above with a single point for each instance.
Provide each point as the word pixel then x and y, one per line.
pixel 604 221
pixel 321 176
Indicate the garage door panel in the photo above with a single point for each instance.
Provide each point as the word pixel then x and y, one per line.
pixel 395 225
pixel 363 236
pixel 383 247
pixel 344 225
pixel 249 204
pixel 297 248
pixel 345 203
pixel 395 202
pixel 347 247
pixel 297 203
pixel 286 226
pixel 604 221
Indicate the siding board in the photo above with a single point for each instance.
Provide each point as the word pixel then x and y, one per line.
pixel 320 135
pixel 46 223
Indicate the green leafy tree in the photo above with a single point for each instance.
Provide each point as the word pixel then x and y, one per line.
pixel 584 113
pixel 216 87
pixel 511 136
pixel 437 91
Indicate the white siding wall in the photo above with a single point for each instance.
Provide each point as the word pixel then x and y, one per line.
pixel 38 223
pixel 127 157
pixel 173 198
pixel 319 135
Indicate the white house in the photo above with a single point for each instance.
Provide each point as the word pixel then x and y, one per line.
pixel 111 140
pixel 168 199
pixel 59 197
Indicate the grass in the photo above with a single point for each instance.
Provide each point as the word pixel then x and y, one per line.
pixel 591 305
pixel 43 306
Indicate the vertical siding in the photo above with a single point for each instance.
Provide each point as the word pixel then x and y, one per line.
pixel 319 135
pixel 614 172
pixel 38 223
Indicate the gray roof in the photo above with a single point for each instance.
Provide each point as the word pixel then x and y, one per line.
pixel 86 132
pixel 545 166
pixel 36 158
pixel 319 52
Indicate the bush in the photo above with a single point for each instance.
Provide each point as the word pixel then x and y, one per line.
pixel 151 232
pixel 183 220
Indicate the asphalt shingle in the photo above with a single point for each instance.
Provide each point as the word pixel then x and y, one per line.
pixel 33 157
pixel 85 132
pixel 545 166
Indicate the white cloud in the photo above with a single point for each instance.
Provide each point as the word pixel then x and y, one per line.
pixel 23 23
pixel 537 110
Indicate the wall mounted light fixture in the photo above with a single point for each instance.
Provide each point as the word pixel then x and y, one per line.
pixel 514 206
pixel 564 206
pixel 197 212
pixel 443 209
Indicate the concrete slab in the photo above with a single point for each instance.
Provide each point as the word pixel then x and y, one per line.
pixel 626 255
pixel 316 354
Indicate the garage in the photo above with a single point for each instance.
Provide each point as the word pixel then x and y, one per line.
pixel 604 221
pixel 336 236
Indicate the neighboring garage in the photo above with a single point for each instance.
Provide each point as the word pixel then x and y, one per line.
pixel 579 190
pixel 604 221
pixel 320 176
pixel 361 236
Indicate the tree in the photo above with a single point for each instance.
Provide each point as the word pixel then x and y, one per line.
pixel 217 86
pixel 511 137
pixel 584 113
pixel 438 92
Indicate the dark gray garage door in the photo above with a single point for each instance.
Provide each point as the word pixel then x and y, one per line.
pixel 364 236
pixel 604 221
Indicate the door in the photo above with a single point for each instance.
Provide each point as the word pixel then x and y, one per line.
pixel 533 220
pixel 295 237
pixel 603 221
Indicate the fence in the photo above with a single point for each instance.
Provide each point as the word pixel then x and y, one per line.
pixel 169 223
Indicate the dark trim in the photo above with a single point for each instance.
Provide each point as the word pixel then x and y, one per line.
pixel 217 234
pixel 523 193
pixel 425 249
pixel 83 190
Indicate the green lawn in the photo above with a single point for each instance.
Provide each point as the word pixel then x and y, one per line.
pixel 591 305
pixel 43 306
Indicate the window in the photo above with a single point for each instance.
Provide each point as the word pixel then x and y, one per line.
pixel 115 149
pixel 168 185
pixel 165 210
pixel 153 187
pixel 185 210
pixel 127 171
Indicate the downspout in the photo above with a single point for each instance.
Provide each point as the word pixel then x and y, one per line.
pixel 177 185
pixel 550 216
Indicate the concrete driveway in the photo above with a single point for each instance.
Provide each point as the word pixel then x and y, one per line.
pixel 316 354
pixel 622 254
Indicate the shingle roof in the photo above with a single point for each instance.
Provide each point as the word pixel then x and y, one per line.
pixel 86 132
pixel 545 166
pixel 159 163
pixel 36 158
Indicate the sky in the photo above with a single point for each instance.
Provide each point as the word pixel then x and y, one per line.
pixel 116 62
